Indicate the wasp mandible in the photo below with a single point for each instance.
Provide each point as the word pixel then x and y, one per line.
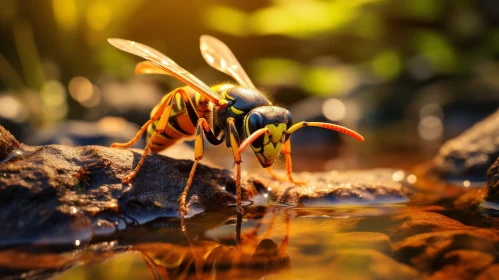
pixel 240 115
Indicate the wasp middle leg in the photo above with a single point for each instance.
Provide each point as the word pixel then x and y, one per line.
pixel 203 128
pixel 234 143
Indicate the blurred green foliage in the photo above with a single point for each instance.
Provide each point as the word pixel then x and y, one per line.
pixel 325 48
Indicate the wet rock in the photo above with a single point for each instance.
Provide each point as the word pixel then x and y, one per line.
pixel 468 156
pixel 333 188
pixel 462 264
pixel 368 264
pixel 104 132
pixel 470 199
pixel 57 194
pixel 491 273
pixel 427 250
pixel 409 224
pixel 401 226
pixel 493 182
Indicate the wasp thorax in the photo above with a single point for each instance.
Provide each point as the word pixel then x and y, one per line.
pixel 277 120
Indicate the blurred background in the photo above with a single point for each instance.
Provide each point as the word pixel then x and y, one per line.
pixel 407 74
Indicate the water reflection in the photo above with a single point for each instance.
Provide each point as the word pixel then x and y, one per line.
pixel 267 242
pixel 168 252
pixel 234 257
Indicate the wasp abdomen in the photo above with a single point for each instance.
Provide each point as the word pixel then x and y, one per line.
pixel 181 124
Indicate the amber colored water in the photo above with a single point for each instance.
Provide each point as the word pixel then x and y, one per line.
pixel 267 242
pixel 277 241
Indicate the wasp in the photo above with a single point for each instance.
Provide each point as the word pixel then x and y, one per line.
pixel 238 114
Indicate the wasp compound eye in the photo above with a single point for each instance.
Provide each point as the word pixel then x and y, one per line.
pixel 255 122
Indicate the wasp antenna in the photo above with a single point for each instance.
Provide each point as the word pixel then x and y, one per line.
pixel 252 138
pixel 329 126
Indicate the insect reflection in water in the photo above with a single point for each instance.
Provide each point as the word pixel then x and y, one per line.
pixel 252 255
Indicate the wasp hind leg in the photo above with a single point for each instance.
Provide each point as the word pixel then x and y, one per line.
pixel 154 118
pixel 163 114
pixel 135 138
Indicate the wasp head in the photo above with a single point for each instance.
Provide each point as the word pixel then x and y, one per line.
pixel 277 120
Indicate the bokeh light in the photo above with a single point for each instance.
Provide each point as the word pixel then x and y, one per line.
pixel 430 128
pixel 333 109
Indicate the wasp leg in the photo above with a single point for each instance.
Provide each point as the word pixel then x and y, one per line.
pixel 274 175
pixel 202 128
pixel 162 123
pixel 234 143
pixel 286 150
pixel 135 138
pixel 144 127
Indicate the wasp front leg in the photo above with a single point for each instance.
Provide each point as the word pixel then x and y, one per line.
pixel 286 150
pixel 275 176
pixel 234 143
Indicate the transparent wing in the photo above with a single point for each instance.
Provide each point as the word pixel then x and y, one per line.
pixel 220 57
pixel 146 67
pixel 166 64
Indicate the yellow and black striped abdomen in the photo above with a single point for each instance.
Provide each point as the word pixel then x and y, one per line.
pixel 180 126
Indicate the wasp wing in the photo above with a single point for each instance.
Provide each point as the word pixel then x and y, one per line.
pixel 146 67
pixel 168 65
pixel 220 57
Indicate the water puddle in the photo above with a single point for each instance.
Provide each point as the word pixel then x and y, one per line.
pixel 367 242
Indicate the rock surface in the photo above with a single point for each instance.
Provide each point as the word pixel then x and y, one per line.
pixel 426 251
pixel 8 144
pixel 340 188
pixel 59 194
pixel 491 273
pixel 462 264
pixel 493 182
pixel 410 223
pixel 468 156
